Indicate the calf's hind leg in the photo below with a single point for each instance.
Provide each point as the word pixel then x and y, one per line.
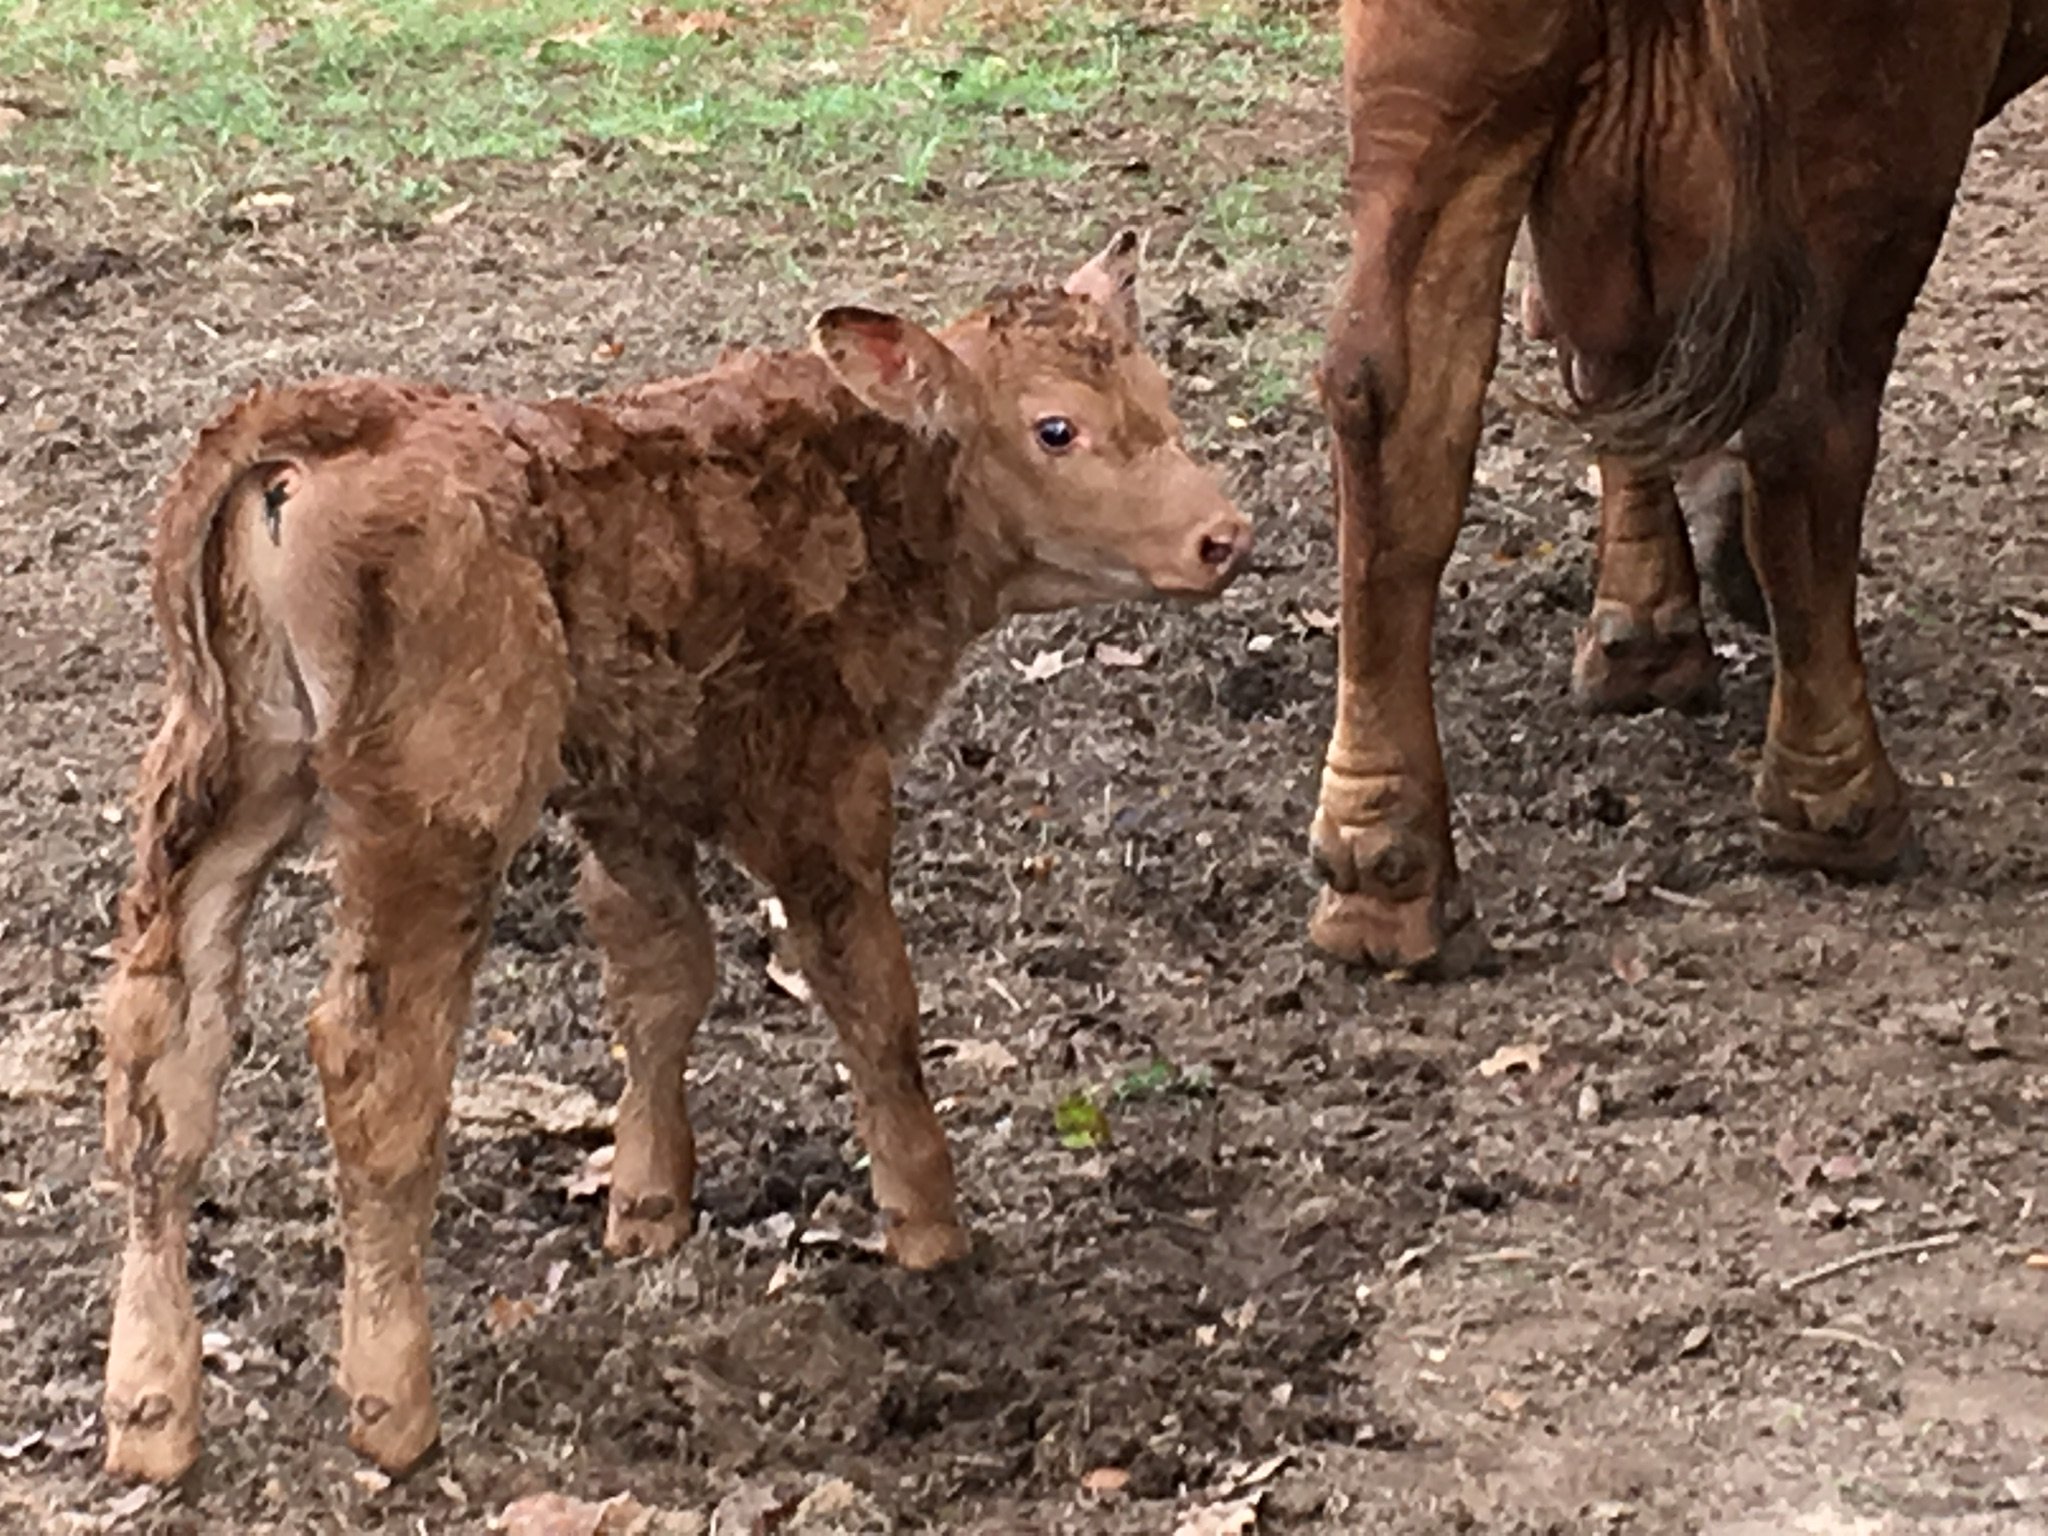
pixel 415 897
pixel 203 850
pixel 660 970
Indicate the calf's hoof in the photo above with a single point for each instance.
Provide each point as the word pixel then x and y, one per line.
pixel 395 1436
pixel 644 1225
pixel 1624 663
pixel 926 1244
pixel 152 1437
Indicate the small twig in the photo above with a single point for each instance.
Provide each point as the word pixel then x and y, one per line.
pixel 1835 1267
pixel 1843 1336
pixel 1680 899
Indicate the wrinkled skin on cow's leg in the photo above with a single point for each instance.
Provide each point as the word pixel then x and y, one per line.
pixel 412 918
pixel 1445 142
pixel 1827 793
pixel 831 872
pixel 168 1019
pixel 639 895
pixel 1644 645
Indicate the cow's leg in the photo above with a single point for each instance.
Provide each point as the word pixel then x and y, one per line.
pixel 1644 644
pixel 829 864
pixel 1713 492
pixel 167 1022
pixel 640 896
pixel 415 897
pixel 1827 793
pixel 1445 140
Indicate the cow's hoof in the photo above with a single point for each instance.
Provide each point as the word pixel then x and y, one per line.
pixel 1854 824
pixel 1423 938
pixel 927 1244
pixel 1624 664
pixel 152 1438
pixel 644 1225
pixel 395 1436
pixel 1879 846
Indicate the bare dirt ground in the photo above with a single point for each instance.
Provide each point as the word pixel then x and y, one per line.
pixel 1542 1301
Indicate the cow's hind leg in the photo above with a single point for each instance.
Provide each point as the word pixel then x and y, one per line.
pixel 1644 644
pixel 660 968
pixel 1451 112
pixel 206 837
pixel 1827 793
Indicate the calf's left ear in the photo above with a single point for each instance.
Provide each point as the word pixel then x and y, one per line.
pixel 893 365
pixel 1110 277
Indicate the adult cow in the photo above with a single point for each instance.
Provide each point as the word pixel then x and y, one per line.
pixel 1733 205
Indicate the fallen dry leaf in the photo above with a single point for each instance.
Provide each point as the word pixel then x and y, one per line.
pixel 990 1056
pixel 1105 1480
pixel 10 119
pixel 1320 621
pixel 556 1514
pixel 1628 964
pixel 506 1314
pixel 583 35
pixel 1043 667
pixel 840 1220
pixel 594 1177
pixel 125 66
pixel 515 1103
pixel 441 218
pixel 668 149
pixel 1528 1056
pixel 1116 656
pixel 1232 1518
pixel 609 350
pixel 2037 1260
pixel 660 21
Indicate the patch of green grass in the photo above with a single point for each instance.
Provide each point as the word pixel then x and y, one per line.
pixel 755 104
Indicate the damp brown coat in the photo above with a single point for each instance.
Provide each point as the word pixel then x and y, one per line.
pixel 710 611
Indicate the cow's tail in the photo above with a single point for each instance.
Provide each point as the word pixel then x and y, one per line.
pixel 1729 340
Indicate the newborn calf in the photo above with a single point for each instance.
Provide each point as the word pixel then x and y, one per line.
pixel 709 610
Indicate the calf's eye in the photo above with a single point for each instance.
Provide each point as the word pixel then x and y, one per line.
pixel 1055 434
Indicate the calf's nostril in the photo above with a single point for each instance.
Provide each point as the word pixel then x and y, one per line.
pixel 1218 551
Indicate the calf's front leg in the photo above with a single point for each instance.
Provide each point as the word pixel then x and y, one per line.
pixel 830 868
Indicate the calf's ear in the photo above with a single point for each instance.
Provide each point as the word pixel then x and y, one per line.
pixel 893 365
pixel 1110 277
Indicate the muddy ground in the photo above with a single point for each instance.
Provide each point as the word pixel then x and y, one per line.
pixel 1454 1301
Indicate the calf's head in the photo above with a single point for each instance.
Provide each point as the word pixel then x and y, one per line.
pixel 1070 453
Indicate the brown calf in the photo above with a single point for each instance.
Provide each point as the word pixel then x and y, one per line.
pixel 1681 165
pixel 709 610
